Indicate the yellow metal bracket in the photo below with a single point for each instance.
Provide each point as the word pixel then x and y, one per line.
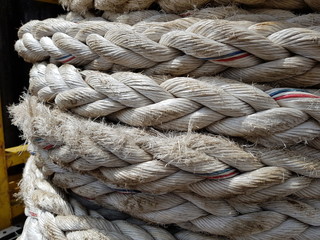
pixel 16 155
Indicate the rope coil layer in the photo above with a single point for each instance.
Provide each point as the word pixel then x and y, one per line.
pixel 157 177
pixel 155 71
pixel 53 215
pixel 268 116
pixel 284 53
pixel 180 5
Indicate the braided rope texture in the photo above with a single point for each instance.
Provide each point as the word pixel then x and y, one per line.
pixel 174 6
pixel 227 189
pixel 53 215
pixel 200 182
pixel 272 117
pixel 270 46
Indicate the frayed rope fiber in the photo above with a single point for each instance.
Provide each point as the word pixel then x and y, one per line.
pixel 158 177
pixel 269 116
pixel 176 6
pixel 186 123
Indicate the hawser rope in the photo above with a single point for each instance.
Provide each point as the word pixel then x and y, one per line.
pixel 219 105
pixel 147 17
pixel 180 5
pixel 143 19
pixel 287 53
pixel 52 215
pixel 133 159
pixel 149 183
pixel 301 187
pixel 279 218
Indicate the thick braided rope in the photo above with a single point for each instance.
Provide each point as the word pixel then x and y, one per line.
pixel 52 215
pixel 149 16
pixel 276 117
pixel 287 53
pixel 180 5
pixel 231 218
pixel 138 160
pixel 240 220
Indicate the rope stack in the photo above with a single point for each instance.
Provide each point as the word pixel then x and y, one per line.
pixel 204 121
pixel 53 215
pixel 175 6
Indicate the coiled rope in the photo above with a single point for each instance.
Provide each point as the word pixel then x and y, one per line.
pixel 53 215
pixel 273 117
pixel 180 5
pixel 265 199
pixel 261 184
pixel 284 53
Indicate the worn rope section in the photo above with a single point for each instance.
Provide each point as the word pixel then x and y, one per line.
pixel 204 214
pixel 177 6
pixel 53 215
pixel 273 117
pixel 151 162
pixel 242 50
pixel 269 201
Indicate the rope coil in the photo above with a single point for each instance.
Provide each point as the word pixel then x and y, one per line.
pixel 225 211
pixel 261 184
pixel 280 116
pixel 261 203
pixel 235 49
pixel 53 215
pixel 179 6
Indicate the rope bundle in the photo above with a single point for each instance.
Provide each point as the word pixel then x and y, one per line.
pixel 273 117
pixel 52 215
pixel 263 198
pixel 241 50
pixel 166 75
pixel 180 5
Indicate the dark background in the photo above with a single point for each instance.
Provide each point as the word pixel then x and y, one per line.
pixel 13 70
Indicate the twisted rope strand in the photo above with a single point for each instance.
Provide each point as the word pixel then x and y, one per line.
pixel 52 215
pixel 163 209
pixel 274 182
pixel 137 160
pixel 187 42
pixel 179 6
pixel 221 106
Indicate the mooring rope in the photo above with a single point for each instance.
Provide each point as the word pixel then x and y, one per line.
pixel 115 100
pixel 280 116
pixel 279 217
pixel 151 162
pixel 243 50
pixel 54 215
pixel 180 5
